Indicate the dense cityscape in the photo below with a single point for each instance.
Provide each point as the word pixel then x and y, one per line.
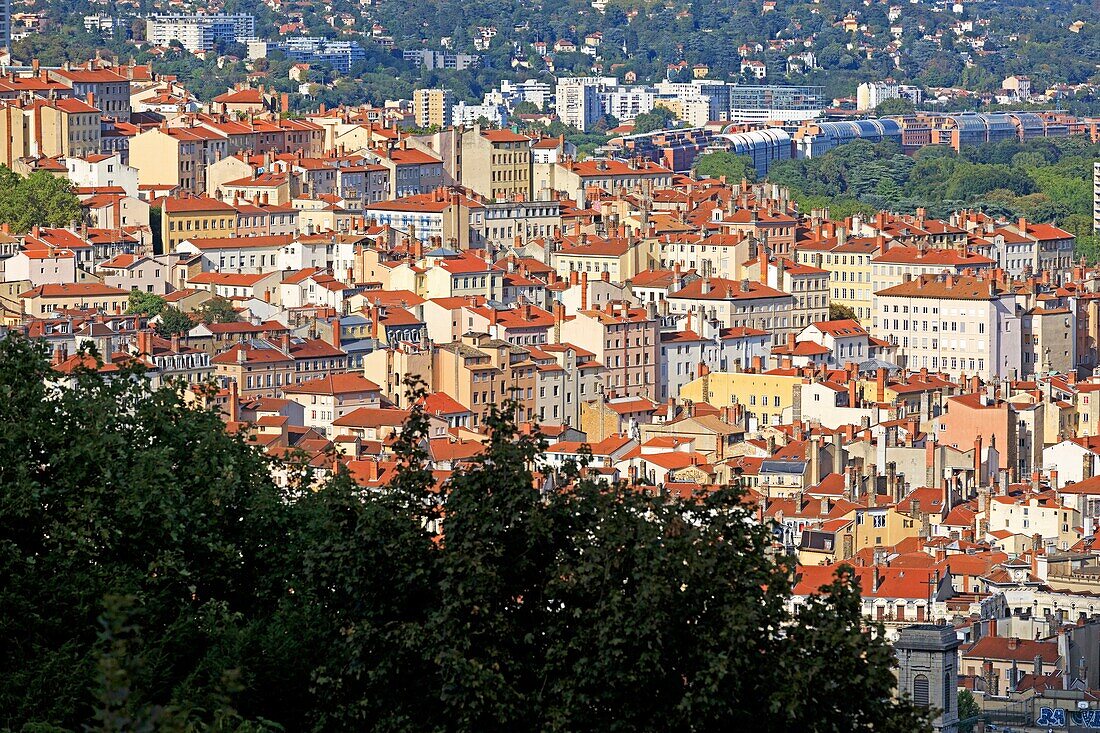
pixel 604 366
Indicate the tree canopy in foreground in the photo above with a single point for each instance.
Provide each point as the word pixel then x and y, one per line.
pixel 157 578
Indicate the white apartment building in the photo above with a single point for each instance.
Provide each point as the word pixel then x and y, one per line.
pixel 471 114
pixel 538 93
pixel 103 171
pixel 199 32
pixel 871 94
pixel 626 103
pixel 957 325
pixel 578 100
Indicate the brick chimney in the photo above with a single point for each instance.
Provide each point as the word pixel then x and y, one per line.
pixel 234 402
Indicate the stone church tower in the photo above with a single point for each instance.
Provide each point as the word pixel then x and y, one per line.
pixel 928 671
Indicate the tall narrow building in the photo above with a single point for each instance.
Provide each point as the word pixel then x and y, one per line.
pixel 432 108
pixel 5 24
pixel 928 672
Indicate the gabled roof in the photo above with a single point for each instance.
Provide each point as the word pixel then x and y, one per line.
pixel 334 384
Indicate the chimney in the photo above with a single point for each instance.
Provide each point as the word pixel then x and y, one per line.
pixel 978 461
pixel 336 332
pixel 234 402
pixel 880 385
pixel 930 460
pixel 584 291
pixel 815 460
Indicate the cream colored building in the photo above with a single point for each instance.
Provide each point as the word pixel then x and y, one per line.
pixel 768 399
pixel 67 128
pixel 432 107
pixel 958 325
pixel 496 164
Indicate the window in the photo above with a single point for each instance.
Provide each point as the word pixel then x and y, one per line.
pixel 920 690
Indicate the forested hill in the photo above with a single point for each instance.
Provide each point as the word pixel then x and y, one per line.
pixel 921 43
pixel 1047 180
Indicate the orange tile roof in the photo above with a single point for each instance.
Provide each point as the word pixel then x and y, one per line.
pixel 334 384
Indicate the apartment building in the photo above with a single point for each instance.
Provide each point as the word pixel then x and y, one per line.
pixel 263 366
pixel 1045 247
pixel 432 107
pixel 507 222
pixel 53 297
pixel 102 171
pixel 200 32
pixel 411 171
pixel 952 324
pixel 737 304
pixel 65 128
pixel 807 285
pixel 625 340
pixel 895 265
pixel 195 217
pixel 577 101
pixel 576 177
pixel 496 164
pixel 715 254
pixel 331 397
pixel 848 262
pixel 134 272
pixel 176 157
pixel 616 258
pixel 455 219
pixel 106 89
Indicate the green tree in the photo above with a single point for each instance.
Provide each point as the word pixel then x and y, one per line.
pixel 894 107
pixel 526 108
pixel 724 163
pixel 217 310
pixel 968 711
pixel 41 199
pixel 839 312
pixel 146 304
pixel 657 119
pixel 173 321
pixel 165 508
pixel 604 608
pixel 157 578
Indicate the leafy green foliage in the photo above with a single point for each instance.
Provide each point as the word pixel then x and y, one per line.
pixel 41 199
pixel 968 710
pixel 217 310
pixel 840 312
pixel 657 119
pixel 170 319
pixel 1048 180
pixel 724 163
pixel 146 304
pixel 894 107
pixel 157 578
pixel 174 321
